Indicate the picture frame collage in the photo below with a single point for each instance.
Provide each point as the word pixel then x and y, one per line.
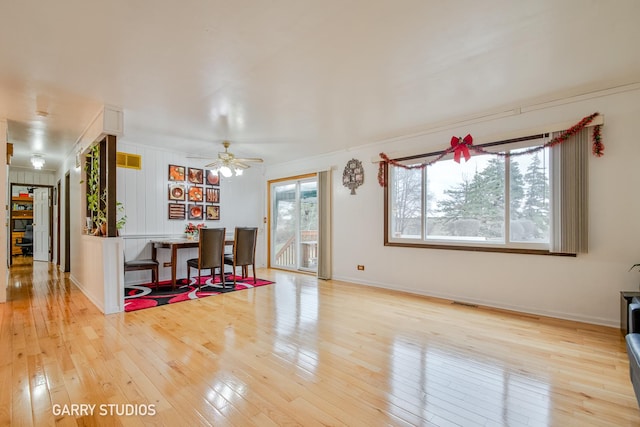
pixel 193 194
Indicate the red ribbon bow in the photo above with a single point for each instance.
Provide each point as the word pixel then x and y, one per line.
pixel 460 146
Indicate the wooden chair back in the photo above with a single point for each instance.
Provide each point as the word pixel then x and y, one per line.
pixel 244 249
pixel 211 248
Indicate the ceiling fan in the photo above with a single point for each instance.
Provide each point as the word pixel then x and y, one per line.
pixel 227 163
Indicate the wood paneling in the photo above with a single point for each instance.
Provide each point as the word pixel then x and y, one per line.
pixel 144 195
pixel 27 176
pixel 304 352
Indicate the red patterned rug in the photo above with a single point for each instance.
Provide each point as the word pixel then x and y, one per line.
pixel 137 297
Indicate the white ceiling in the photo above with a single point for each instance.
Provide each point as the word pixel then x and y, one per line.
pixel 295 78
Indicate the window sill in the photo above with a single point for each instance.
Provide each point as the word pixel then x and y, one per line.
pixel 478 249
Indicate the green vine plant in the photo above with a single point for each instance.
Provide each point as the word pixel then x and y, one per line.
pixel 92 168
pixel 101 217
pixel 122 218
pixel 95 200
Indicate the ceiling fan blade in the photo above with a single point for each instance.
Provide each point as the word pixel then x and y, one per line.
pixel 225 158
pixel 213 165
pixel 200 157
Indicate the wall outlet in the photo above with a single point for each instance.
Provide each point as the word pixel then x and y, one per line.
pixel 360 267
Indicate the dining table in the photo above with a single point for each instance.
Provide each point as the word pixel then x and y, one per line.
pixel 174 244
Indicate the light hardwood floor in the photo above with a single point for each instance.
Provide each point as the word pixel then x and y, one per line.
pixel 302 352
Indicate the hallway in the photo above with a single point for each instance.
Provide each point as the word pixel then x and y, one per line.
pixel 42 309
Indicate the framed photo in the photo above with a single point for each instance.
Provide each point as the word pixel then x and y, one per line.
pixel 176 211
pixel 176 173
pixel 212 195
pixel 195 176
pixel 213 213
pixel 195 194
pixel 195 212
pixel 177 192
pixel 212 177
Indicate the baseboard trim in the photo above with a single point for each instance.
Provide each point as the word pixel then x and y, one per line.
pixel 487 303
pixel 89 297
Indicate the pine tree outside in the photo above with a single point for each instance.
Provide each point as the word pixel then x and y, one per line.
pixel 468 201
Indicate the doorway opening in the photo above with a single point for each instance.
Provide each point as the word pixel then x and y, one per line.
pixel 30 222
pixel 293 225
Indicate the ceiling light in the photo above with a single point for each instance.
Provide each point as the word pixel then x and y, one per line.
pixel 228 164
pixel 37 161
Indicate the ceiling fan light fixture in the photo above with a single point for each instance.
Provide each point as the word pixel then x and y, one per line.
pixel 227 164
pixel 37 161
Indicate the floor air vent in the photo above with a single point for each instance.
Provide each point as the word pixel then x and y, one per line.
pixel 466 304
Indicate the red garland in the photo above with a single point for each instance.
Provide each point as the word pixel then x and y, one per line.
pixel 598 146
pixel 381 173
pixel 461 146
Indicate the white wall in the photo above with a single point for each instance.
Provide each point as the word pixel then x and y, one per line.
pixel 145 197
pixel 583 288
pixel 76 215
pixel 4 229
pixel 31 176
pixel 81 259
pixel 100 276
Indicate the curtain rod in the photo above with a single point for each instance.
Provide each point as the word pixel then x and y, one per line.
pixel 495 140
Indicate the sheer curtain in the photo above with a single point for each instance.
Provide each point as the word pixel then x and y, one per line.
pixel 324 225
pixel 570 194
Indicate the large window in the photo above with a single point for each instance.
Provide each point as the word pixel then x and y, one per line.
pixel 493 202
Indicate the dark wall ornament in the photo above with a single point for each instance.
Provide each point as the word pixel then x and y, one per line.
pixel 353 175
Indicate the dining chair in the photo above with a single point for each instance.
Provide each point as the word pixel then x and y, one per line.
pixel 210 254
pixel 244 252
pixel 143 264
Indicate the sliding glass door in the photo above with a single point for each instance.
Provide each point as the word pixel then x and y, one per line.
pixel 294 223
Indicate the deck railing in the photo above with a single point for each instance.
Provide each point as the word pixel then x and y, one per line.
pixel 287 253
pixel 286 256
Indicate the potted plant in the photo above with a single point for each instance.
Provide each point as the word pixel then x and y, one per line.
pixel 101 218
